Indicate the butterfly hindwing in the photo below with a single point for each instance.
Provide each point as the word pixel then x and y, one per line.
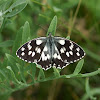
pixel 31 51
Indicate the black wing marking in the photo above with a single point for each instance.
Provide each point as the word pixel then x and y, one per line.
pixel 31 51
pixel 45 59
pixel 69 51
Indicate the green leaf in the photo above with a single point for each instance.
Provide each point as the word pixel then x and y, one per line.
pixel 88 89
pixel 1 21
pixel 56 72
pixel 52 27
pixel 15 8
pixel 7 43
pixel 17 41
pixel 41 75
pixel 21 72
pixel 4 76
pixel 68 37
pixel 16 11
pixel 5 4
pixel 13 75
pixel 95 91
pixel 12 62
pixel 26 32
pixel 78 67
pixel 33 69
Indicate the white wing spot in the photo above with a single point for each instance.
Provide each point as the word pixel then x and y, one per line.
pixel 22 53
pixel 29 47
pixel 36 49
pixel 38 42
pixel 63 49
pixel 29 61
pixel 35 60
pixel 59 67
pixel 71 52
pixel 78 49
pixel 45 48
pixel 62 42
pixel 22 49
pixel 71 46
pixel 39 50
pixel 33 53
pixel 43 56
pixel 55 55
pixel 59 57
pixel 67 53
pixel 66 61
pixel 78 54
pixel 48 56
pixel 30 52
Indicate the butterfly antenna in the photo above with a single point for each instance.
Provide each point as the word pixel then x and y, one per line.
pixel 42 27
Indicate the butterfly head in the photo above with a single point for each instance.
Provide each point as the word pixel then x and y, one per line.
pixel 49 35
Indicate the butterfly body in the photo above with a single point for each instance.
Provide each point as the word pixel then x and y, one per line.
pixel 50 52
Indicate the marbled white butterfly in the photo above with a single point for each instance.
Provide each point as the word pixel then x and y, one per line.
pixel 50 52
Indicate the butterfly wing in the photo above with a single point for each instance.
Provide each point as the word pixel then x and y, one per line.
pixel 45 59
pixel 31 51
pixel 69 52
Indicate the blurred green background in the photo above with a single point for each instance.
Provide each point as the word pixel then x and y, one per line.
pixel 79 19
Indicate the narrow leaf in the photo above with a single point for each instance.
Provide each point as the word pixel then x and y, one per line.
pixel 26 32
pixel 4 76
pixel 12 62
pixel 56 72
pixel 88 89
pixel 41 75
pixel 5 4
pixel 7 43
pixel 17 41
pixel 16 7
pixel 21 72
pixel 16 10
pixel 52 27
pixel 13 75
pixel 33 69
pixel 79 67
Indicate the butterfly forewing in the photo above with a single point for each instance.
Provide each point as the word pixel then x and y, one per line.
pixel 69 51
pixel 31 51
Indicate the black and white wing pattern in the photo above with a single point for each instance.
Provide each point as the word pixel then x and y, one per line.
pixel 31 51
pixel 45 59
pixel 50 52
pixel 69 52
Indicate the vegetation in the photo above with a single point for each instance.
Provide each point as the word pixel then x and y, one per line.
pixel 23 20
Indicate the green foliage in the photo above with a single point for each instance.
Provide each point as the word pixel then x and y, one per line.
pixel 16 74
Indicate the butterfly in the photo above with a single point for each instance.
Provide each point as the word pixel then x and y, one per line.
pixel 50 51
